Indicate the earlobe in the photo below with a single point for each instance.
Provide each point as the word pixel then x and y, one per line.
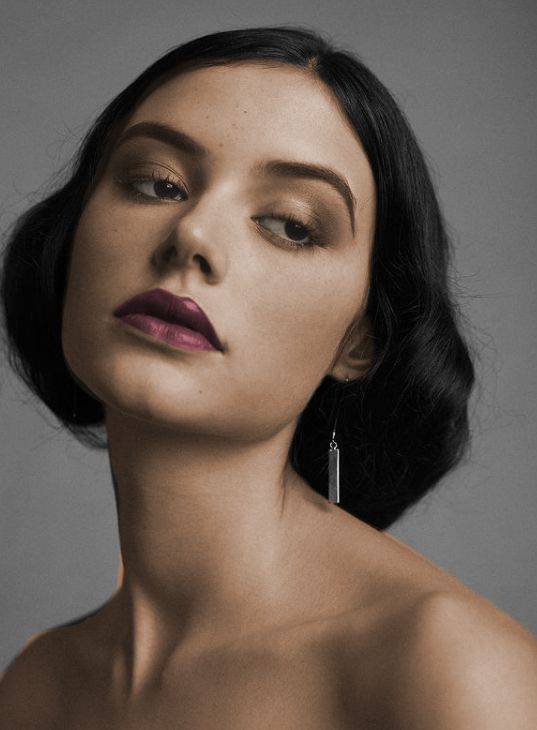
pixel 356 352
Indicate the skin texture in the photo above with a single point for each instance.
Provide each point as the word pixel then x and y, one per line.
pixel 247 600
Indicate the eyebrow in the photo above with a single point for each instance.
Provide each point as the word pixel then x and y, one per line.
pixel 308 170
pixel 284 168
pixel 163 133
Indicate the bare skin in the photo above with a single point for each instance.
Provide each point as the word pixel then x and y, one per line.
pixel 247 600
pixel 394 634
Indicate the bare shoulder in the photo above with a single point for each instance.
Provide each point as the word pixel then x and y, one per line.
pixel 37 685
pixel 463 663
pixel 30 686
pixel 444 656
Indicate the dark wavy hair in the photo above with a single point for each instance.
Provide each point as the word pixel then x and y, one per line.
pixel 400 427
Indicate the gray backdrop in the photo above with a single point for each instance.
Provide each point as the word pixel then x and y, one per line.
pixel 465 74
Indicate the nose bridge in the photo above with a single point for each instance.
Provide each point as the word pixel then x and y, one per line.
pixel 203 227
pixel 206 214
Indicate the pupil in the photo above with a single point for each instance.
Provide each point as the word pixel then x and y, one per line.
pixel 165 189
pixel 295 229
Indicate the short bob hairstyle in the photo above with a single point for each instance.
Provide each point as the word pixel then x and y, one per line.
pixel 404 424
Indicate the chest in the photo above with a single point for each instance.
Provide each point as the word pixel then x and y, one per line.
pixel 297 686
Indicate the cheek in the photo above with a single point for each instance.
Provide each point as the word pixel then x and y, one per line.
pixel 105 253
pixel 312 312
pixel 93 252
pixel 284 329
pixel 298 324
pixel 91 283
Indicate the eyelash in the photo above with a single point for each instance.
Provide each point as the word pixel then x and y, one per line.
pixel 311 230
pixel 128 185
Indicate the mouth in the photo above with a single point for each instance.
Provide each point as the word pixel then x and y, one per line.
pixel 179 321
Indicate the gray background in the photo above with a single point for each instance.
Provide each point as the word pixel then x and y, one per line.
pixel 465 74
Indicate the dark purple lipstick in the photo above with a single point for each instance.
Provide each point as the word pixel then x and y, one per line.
pixel 179 321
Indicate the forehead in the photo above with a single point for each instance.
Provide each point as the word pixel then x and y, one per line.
pixel 251 111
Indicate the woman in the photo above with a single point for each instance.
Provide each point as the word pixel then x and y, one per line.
pixel 244 280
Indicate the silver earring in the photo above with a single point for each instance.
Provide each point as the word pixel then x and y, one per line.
pixel 333 466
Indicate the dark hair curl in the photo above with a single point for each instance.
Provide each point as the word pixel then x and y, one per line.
pixel 404 424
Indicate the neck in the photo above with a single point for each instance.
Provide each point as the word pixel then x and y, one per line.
pixel 212 535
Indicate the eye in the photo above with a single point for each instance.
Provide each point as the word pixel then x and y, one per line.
pixel 158 188
pixel 290 229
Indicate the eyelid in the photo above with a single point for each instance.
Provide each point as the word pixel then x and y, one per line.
pixel 144 173
pixel 148 170
pixel 310 222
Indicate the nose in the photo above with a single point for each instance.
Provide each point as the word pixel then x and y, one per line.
pixel 195 239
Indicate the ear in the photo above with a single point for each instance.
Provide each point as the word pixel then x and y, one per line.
pixel 356 351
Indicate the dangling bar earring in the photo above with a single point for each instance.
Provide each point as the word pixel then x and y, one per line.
pixel 333 466
pixel 333 471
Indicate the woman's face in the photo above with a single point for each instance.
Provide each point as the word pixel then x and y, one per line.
pixel 280 297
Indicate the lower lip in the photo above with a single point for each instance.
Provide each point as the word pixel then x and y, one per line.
pixel 173 334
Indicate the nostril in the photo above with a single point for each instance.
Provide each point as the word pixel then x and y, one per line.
pixel 204 265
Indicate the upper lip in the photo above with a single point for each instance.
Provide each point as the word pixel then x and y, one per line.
pixel 171 308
